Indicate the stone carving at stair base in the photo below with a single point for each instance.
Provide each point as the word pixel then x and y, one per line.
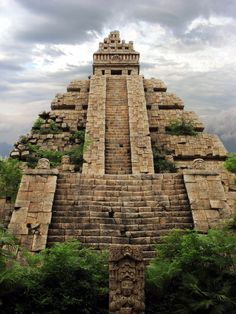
pixel 126 280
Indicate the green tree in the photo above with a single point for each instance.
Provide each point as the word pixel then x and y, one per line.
pixel 193 273
pixel 10 177
pixel 66 278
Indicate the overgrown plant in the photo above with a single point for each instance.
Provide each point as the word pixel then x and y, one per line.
pixel 193 273
pixel 181 127
pixel 10 177
pixel 161 164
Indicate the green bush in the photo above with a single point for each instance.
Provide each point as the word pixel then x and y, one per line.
pixel 193 273
pixel 36 153
pixel 161 164
pixel 181 127
pixel 64 279
pixel 75 153
pixel 10 177
pixel 23 140
pixel 38 124
pixel 76 156
pixel 78 136
pixel 51 129
pixel 230 163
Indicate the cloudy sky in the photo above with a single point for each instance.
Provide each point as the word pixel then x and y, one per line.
pixel 189 44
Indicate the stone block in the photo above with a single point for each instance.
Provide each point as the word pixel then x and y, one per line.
pixel 20 215
pixel 212 215
pixel 44 217
pixel 18 228
pixel 35 206
pixel 217 204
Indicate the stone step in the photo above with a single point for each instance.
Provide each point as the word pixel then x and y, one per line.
pixel 101 210
pixel 117 159
pixel 164 177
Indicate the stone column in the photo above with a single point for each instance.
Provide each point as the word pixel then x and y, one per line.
pixel 140 140
pixel 33 208
pixel 126 280
pixel 94 154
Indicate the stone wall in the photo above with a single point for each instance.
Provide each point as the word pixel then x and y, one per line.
pixel 186 146
pixel 140 142
pixel 94 155
pixel 164 100
pixel 160 119
pixel 33 208
pixel 76 95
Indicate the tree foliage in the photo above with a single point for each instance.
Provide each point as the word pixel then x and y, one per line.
pixel 10 177
pixel 230 163
pixel 193 273
pixel 64 279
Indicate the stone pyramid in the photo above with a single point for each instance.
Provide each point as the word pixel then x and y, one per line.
pixel 136 180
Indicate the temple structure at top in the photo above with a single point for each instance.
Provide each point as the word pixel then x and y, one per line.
pixel 115 57
pixel 144 166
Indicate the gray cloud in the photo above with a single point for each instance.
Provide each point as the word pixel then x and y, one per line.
pixel 8 65
pixel 223 124
pixel 70 21
pixel 62 22
pixel 176 15
pixel 27 89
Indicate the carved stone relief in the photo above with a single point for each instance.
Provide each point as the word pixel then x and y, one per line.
pixel 198 164
pixel 126 280
pixel 43 163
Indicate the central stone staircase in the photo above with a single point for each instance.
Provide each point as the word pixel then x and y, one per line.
pixel 118 209
pixel 117 137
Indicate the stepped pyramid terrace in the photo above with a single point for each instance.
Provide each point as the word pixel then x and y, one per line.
pixel 128 174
